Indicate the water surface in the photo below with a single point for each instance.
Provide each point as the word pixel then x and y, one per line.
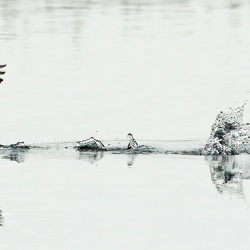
pixel 160 70
pixel 125 201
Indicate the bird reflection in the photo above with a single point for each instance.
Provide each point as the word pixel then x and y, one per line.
pixel 1 218
pixel 228 172
pixel 131 159
pixel 91 156
pixel 17 155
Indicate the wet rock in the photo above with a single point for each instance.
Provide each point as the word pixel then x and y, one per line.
pixel 20 145
pixel 91 144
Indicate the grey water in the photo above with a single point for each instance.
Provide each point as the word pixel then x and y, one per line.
pixel 161 70
pixel 53 196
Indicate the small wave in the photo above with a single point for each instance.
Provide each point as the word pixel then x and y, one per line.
pixel 66 150
pixel 157 147
pixel 144 149
pixel 141 150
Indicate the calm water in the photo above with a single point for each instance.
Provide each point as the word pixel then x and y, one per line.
pixel 74 200
pixel 60 198
pixel 159 69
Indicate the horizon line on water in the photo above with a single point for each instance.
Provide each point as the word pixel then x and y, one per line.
pixel 122 140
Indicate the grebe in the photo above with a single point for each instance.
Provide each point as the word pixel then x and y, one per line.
pixel 132 142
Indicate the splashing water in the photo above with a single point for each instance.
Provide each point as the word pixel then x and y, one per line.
pixel 229 135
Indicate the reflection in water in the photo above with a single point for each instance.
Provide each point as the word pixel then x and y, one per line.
pixel 1 218
pixel 131 159
pixel 17 155
pixel 228 172
pixel 91 156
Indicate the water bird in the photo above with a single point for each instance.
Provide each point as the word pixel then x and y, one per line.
pixel 132 142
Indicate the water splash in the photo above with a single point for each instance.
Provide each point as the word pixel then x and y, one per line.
pixel 229 135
